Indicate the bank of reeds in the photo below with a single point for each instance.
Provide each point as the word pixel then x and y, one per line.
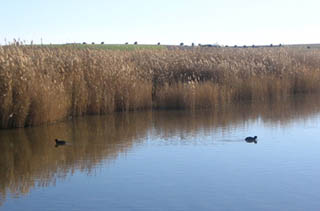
pixel 43 84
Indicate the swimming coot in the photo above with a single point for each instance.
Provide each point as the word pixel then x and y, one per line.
pixel 60 142
pixel 251 139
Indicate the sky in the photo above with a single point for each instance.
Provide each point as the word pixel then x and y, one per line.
pixel 225 22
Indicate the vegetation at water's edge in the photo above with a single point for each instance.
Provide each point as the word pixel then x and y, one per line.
pixel 40 84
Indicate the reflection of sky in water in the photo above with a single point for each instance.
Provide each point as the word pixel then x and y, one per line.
pixel 207 168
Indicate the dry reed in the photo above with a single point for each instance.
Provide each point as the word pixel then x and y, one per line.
pixel 45 84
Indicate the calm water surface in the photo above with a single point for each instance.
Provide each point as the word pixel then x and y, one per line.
pixel 168 160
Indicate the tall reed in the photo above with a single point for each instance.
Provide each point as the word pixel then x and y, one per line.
pixel 41 84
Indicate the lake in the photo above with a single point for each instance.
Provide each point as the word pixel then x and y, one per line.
pixel 168 160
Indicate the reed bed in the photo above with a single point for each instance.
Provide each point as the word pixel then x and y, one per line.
pixel 40 84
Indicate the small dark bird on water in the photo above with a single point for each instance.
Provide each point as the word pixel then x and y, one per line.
pixel 60 142
pixel 251 139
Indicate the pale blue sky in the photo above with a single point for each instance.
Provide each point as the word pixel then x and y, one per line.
pixel 228 22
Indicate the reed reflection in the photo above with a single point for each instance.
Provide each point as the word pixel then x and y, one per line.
pixel 29 158
pixel 226 119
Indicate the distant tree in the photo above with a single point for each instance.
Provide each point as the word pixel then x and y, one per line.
pixel 102 43
pixel 136 43
pixel 235 46
pixel 308 47
pixel 126 43
pixel 271 45
pixel 181 44
pixel 253 46
pixel 158 43
pixel 244 46
pixel 280 45
pixel 92 43
pixel 84 43
pixel 192 44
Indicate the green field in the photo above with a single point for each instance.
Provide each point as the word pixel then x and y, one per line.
pixel 108 46
pixel 129 47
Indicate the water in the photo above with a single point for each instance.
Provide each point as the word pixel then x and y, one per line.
pixel 168 160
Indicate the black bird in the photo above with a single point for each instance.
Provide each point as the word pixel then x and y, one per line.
pixel 60 142
pixel 251 139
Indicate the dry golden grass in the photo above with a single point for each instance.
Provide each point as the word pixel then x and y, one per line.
pixel 43 84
